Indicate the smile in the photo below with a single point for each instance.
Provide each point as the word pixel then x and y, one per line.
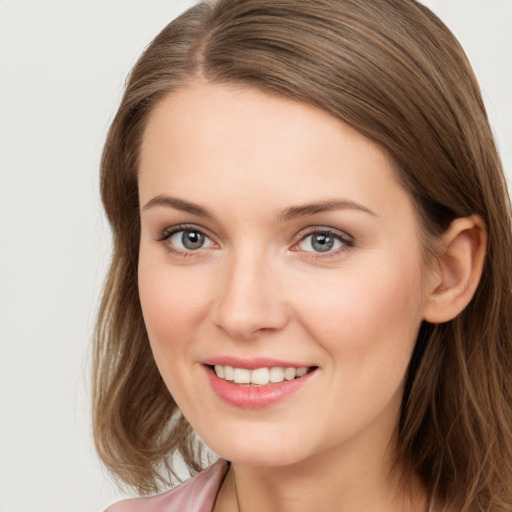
pixel 260 386
pixel 259 376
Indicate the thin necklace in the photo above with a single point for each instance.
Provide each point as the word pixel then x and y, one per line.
pixel 430 506
pixel 236 493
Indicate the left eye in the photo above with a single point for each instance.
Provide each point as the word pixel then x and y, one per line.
pixel 321 242
pixel 189 240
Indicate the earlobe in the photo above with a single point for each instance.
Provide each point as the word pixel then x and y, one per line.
pixel 461 256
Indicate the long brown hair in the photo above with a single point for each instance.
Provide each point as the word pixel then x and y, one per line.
pixel 393 71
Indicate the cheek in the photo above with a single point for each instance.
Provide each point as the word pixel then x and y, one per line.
pixel 172 304
pixel 174 308
pixel 368 315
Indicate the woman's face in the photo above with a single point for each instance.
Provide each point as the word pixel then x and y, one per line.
pixel 276 241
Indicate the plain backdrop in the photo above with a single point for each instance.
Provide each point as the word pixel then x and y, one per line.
pixel 62 69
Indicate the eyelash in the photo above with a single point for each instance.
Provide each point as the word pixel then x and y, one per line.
pixel 344 239
pixel 170 232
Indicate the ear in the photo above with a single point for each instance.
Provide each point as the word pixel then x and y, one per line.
pixel 461 254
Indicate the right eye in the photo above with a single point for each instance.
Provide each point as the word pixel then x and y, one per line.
pixel 321 242
pixel 185 240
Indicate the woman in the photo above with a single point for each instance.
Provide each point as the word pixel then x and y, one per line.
pixel 311 267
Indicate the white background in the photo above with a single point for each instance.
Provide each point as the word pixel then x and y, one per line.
pixel 62 68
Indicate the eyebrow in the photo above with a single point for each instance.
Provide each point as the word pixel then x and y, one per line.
pixel 294 212
pixel 177 204
pixel 290 213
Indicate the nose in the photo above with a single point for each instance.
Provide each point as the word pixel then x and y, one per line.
pixel 250 300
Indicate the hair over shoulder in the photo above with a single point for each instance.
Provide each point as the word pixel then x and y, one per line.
pixel 394 72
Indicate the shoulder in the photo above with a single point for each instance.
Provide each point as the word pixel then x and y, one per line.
pixel 197 494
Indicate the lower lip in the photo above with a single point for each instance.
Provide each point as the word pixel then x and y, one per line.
pixel 255 397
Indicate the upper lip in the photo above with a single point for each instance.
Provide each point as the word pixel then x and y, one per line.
pixel 253 363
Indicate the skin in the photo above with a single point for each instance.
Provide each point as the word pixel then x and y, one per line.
pixel 257 288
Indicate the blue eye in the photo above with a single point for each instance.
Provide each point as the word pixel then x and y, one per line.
pixel 322 242
pixel 188 240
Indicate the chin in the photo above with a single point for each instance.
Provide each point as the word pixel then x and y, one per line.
pixel 258 452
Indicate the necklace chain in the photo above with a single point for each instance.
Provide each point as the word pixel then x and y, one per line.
pixel 236 493
pixel 430 506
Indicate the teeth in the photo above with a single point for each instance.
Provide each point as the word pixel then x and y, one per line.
pixel 259 376
pixel 242 376
pixel 301 371
pixel 276 374
pixel 289 373
pixel 228 373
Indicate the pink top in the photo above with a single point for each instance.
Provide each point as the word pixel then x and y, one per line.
pixel 197 494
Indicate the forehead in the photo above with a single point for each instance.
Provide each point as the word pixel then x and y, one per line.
pixel 221 139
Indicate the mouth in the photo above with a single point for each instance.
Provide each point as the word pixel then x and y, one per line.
pixel 258 377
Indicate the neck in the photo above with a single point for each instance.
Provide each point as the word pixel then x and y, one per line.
pixel 315 489
pixel 356 475
pixel 326 482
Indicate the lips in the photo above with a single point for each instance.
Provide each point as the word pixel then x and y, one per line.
pixel 259 376
pixel 256 383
